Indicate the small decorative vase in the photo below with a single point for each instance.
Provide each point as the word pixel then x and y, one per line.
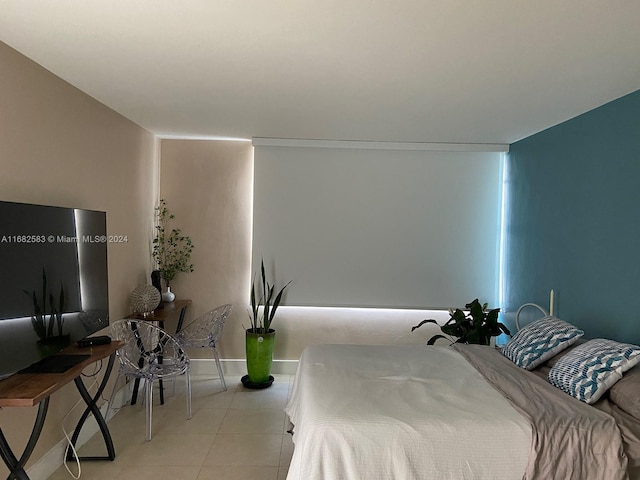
pixel 168 296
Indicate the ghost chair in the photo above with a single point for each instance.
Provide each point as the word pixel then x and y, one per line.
pixel 204 332
pixel 149 354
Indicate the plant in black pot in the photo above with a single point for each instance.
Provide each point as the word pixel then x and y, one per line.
pixel 49 330
pixel 260 338
pixel 477 326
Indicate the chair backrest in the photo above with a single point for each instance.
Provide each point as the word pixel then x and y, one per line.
pixel 146 345
pixel 205 330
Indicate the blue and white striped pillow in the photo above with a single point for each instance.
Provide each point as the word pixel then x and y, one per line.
pixel 592 368
pixel 539 341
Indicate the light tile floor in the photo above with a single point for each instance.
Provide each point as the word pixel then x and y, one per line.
pixel 234 435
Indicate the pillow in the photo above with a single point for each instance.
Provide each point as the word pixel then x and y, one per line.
pixel 539 341
pixel 553 360
pixel 626 392
pixel 592 368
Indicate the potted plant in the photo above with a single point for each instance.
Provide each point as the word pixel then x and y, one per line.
pixel 260 338
pixel 48 323
pixel 477 326
pixel 171 250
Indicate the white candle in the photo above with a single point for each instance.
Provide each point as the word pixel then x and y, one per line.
pixel 551 302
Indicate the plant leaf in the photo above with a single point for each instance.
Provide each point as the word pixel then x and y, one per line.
pixel 433 339
pixel 430 320
pixel 492 316
pixel 254 306
pixel 504 329
pixel 265 294
pixel 454 329
pixel 276 302
pixel 476 311
pixel 458 315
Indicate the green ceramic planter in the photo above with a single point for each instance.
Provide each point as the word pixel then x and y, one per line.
pixel 259 349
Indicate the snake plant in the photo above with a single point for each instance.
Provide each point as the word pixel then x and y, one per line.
pixel 44 327
pixel 268 300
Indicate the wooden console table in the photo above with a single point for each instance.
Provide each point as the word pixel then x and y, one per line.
pixel 30 389
pixel 170 310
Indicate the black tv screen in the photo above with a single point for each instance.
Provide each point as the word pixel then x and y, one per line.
pixel 53 280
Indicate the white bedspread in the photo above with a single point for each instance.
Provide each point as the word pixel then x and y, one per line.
pixel 377 412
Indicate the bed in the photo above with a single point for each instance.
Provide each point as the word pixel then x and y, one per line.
pixel 379 412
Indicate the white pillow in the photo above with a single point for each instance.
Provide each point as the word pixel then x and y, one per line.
pixel 539 341
pixel 592 368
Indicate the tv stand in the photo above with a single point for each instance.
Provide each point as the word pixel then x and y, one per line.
pixel 27 389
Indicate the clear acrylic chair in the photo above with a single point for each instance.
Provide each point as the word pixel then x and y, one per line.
pixel 149 354
pixel 204 332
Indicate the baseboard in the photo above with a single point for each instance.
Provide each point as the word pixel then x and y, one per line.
pixel 238 366
pixel 51 461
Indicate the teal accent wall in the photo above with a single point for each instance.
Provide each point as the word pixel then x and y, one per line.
pixel 572 221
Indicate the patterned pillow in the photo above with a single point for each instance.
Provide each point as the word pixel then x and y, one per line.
pixel 539 341
pixel 592 368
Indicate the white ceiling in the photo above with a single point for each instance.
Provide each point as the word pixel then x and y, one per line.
pixel 469 71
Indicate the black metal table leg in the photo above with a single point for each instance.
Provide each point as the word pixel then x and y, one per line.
pixel 136 387
pixel 141 360
pixel 136 383
pixel 160 385
pixel 17 466
pixel 183 310
pixel 92 408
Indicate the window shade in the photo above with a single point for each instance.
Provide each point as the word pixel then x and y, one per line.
pixel 357 227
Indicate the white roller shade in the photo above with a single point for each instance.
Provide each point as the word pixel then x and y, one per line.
pixel 363 227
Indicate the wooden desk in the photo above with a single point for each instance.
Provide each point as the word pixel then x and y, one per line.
pixel 30 389
pixel 170 310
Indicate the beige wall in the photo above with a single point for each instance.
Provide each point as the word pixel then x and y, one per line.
pixel 59 146
pixel 207 186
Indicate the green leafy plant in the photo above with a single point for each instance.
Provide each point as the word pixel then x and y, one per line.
pixel 264 304
pixel 43 326
pixel 478 326
pixel 171 249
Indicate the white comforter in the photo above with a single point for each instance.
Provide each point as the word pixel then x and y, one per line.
pixel 376 412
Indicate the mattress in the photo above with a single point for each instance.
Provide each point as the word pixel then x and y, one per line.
pixel 426 412
pixel 406 412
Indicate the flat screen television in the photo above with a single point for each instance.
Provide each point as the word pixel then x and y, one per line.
pixel 53 281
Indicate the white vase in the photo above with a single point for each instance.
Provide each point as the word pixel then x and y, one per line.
pixel 168 296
